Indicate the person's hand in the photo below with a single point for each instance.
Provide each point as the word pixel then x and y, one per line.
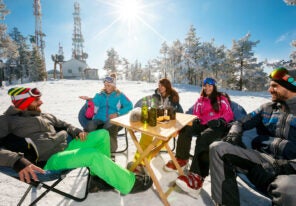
pixel 216 123
pixel 82 136
pixel 85 97
pixel 29 172
pixel 262 143
pixel 113 115
pixel 235 139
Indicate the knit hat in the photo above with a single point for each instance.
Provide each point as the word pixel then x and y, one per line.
pixel 284 77
pixel 110 80
pixel 22 97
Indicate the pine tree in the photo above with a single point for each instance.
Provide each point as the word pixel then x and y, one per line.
pixel 37 66
pixel 191 46
pixel 112 61
pixel 8 49
pixel 290 2
pixel 242 57
pixel 164 51
pixel 24 53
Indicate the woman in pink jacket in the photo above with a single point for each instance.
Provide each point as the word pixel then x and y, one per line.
pixel 213 112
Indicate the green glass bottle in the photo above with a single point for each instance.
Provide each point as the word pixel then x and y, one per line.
pixel 152 114
pixel 144 111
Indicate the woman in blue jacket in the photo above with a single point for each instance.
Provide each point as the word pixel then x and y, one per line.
pixel 107 104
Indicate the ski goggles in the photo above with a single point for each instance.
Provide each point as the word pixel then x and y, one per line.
pixel 109 80
pixel 209 81
pixel 34 92
pixel 282 73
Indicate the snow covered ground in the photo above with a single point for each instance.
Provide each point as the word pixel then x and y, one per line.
pixel 61 99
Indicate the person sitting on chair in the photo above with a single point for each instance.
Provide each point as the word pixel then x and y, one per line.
pixel 213 112
pixel 165 95
pixel 271 164
pixel 107 104
pixel 57 145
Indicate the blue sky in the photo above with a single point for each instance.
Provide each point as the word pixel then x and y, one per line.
pixel 139 33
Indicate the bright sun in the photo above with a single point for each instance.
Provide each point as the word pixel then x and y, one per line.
pixel 129 10
pixel 131 13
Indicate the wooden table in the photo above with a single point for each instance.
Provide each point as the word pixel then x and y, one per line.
pixel 162 134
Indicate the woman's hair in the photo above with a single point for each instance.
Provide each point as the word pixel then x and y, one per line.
pixel 214 96
pixel 113 75
pixel 169 89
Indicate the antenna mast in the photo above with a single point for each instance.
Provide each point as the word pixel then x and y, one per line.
pixel 38 28
pixel 77 40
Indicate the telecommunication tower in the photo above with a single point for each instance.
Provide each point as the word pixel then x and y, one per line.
pixel 77 40
pixel 38 27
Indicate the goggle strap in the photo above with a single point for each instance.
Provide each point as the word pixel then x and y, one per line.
pixel 20 96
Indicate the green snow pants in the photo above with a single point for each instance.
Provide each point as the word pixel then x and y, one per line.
pixel 93 153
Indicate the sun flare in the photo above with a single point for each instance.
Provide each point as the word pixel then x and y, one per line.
pixel 131 13
pixel 129 10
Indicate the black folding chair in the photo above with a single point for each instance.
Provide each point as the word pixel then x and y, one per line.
pixel 49 176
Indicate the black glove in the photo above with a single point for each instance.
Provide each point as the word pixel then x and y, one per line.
pixel 261 143
pixel 216 123
pixel 282 167
pixel 260 177
pixel 235 139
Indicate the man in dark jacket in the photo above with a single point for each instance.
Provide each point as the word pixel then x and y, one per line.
pixel 271 164
pixel 31 140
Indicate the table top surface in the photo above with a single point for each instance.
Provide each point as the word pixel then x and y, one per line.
pixel 161 130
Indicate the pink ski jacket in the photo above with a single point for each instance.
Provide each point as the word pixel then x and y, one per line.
pixel 204 111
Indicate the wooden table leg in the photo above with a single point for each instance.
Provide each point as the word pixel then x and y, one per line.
pixel 181 172
pixel 143 156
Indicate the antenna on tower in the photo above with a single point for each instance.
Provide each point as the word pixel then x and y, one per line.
pixel 77 40
pixel 38 28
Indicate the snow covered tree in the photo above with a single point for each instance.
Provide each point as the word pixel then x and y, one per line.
pixel 8 49
pixel 210 60
pixel 242 57
pixel 191 47
pixel 112 61
pixel 164 51
pixel 37 66
pixel 175 58
pixel 293 54
pixel 24 54
pixel 126 67
pixel 290 2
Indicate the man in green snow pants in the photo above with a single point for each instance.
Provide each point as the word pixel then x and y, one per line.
pixel 24 124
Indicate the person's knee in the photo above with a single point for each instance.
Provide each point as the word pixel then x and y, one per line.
pixel 216 145
pixel 101 133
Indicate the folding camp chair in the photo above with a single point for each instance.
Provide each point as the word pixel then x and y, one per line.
pixel 83 122
pixel 55 176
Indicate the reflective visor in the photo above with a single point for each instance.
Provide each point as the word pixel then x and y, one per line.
pixel 282 74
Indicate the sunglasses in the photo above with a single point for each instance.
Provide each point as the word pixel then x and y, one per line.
pixel 209 81
pixel 34 92
pixel 282 74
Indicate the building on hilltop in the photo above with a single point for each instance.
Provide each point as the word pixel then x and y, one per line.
pixel 77 69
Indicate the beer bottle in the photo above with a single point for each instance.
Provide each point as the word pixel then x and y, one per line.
pixel 144 111
pixel 152 120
